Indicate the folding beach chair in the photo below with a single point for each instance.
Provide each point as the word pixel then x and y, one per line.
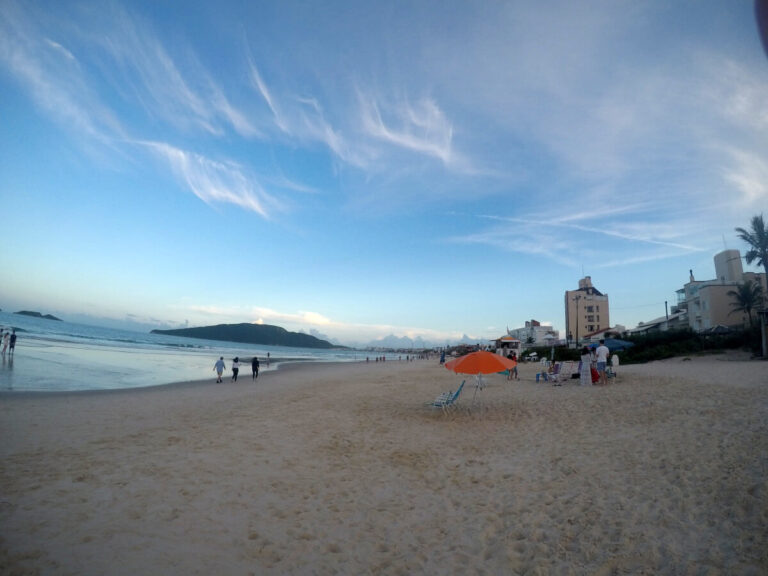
pixel 564 373
pixel 447 400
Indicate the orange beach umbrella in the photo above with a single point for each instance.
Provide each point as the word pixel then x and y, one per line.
pixel 481 362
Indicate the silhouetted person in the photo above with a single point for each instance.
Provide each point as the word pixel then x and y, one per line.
pixel 235 368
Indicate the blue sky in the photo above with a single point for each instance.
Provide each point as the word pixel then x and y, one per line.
pixel 360 169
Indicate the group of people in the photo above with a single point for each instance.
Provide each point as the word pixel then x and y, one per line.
pixel 219 368
pixel 600 360
pixel 8 341
pixel 593 366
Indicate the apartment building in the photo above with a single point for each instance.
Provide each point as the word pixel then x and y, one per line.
pixel 535 334
pixel 586 310
pixel 707 302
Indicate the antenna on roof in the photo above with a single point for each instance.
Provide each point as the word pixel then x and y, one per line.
pixel 725 246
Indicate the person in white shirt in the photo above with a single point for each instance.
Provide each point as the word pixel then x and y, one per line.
pixel 602 353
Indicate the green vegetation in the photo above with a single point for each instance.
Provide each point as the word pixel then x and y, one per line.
pixel 757 240
pixel 661 345
pixel 747 298
pixel 251 334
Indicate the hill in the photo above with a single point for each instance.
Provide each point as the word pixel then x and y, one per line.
pixel 38 315
pixel 263 334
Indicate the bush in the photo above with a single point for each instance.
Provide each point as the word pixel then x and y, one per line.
pixel 661 345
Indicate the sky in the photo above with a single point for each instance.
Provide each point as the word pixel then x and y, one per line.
pixel 425 169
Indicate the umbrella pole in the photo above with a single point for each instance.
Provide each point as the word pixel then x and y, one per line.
pixel 477 387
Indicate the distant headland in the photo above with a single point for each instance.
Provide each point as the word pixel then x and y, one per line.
pixel 38 315
pixel 263 334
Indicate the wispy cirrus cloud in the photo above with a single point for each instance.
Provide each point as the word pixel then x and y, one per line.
pixel 53 77
pixel 214 181
pixel 184 98
pixel 421 127
pixel 261 87
pixel 303 120
pixel 592 235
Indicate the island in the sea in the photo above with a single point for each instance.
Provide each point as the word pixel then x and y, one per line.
pixel 38 315
pixel 263 334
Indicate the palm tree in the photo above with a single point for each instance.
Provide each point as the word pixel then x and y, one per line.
pixel 757 238
pixel 747 297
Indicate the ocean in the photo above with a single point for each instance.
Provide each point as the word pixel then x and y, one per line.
pixel 53 356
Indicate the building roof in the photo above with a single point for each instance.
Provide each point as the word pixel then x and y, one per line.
pixel 645 326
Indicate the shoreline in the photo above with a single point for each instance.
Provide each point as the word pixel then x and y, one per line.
pixel 244 376
pixel 344 469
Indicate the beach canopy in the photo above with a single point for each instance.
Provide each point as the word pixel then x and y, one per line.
pixel 615 345
pixel 481 362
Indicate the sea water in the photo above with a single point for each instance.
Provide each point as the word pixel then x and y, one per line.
pixel 53 356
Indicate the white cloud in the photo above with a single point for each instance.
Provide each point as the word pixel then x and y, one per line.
pixel 309 322
pixel 52 76
pixel 185 100
pixel 214 181
pixel 748 173
pixel 421 127
pixel 261 87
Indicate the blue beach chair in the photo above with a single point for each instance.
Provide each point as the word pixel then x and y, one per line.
pixel 447 400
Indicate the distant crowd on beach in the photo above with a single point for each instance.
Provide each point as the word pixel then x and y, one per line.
pixel 8 341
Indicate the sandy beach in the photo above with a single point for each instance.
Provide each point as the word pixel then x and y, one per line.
pixel 342 469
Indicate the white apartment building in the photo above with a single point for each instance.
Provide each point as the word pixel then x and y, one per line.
pixel 534 334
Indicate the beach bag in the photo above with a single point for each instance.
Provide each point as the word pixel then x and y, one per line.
pixel 595 375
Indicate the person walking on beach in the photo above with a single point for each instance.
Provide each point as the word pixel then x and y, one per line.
pixel 219 367
pixel 585 369
pixel 255 368
pixel 235 368
pixel 6 340
pixel 602 353
pixel 13 343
